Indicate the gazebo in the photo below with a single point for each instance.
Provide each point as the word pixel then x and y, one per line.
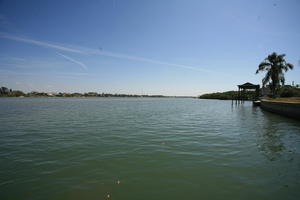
pixel 246 87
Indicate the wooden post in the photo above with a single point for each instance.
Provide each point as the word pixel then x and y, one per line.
pixel 239 95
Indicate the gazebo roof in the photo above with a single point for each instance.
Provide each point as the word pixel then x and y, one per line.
pixel 248 86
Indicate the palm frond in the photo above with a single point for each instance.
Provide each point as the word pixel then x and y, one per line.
pixel 262 66
pixel 290 66
pixel 286 66
pixel 272 57
pixel 281 57
pixel 267 78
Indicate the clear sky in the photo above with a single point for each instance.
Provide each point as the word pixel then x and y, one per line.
pixel 178 47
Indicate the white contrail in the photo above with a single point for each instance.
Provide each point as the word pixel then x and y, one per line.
pixel 73 60
pixel 83 50
pixel 143 59
pixel 39 43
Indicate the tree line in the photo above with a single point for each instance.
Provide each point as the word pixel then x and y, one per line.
pixel 5 92
pixel 283 91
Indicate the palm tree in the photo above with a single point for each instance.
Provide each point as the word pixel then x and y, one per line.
pixel 275 65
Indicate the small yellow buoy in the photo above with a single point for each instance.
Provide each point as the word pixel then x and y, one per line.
pixel 118 182
pixel 108 195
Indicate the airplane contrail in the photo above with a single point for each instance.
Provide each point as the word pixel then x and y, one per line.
pixel 84 50
pixel 39 43
pixel 83 66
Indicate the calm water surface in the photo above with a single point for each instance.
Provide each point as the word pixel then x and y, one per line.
pixel 143 148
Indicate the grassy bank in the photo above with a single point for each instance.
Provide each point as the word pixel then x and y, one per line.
pixel 284 99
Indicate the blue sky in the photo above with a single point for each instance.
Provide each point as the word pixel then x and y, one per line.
pixel 178 47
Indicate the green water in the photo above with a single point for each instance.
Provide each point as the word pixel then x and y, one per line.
pixel 169 148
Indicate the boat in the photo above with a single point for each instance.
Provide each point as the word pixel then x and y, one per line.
pixel 256 103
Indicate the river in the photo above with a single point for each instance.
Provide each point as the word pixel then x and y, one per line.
pixel 145 148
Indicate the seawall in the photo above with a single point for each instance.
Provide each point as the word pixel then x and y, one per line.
pixel 283 108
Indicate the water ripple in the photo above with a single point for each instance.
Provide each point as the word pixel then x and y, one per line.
pixel 76 148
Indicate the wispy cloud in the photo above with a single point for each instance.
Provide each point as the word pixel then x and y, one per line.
pixel 83 66
pixel 84 50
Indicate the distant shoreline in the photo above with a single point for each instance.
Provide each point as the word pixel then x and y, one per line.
pixel 193 97
pixel 5 92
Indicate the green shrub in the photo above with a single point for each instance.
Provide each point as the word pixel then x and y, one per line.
pixel 248 95
pixel 289 91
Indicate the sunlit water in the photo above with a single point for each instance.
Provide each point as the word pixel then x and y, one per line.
pixel 143 148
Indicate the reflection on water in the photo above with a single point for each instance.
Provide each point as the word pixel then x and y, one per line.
pixel 271 130
pixel 277 136
pixel 271 141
